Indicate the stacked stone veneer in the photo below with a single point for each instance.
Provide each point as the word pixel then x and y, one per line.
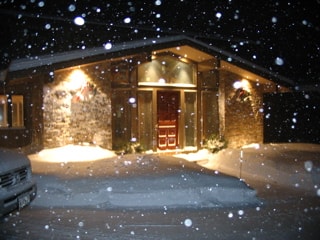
pixel 243 120
pixel 70 119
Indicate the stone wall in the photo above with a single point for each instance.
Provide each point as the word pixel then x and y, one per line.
pixel 243 112
pixel 77 109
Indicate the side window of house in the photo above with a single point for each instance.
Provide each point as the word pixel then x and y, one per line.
pixel 11 111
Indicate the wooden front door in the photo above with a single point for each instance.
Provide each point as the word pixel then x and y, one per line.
pixel 168 103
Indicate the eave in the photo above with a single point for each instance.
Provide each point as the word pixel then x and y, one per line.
pixel 47 63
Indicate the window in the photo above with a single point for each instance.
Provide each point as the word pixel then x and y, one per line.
pixel 167 71
pixel 17 111
pixel 190 124
pixel 145 119
pixel 11 111
pixel 121 119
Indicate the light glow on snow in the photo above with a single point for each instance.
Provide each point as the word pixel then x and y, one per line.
pixel 72 153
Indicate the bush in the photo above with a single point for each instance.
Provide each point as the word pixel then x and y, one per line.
pixel 131 147
pixel 215 143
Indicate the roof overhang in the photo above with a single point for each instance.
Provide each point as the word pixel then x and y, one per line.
pixel 243 73
pixel 181 45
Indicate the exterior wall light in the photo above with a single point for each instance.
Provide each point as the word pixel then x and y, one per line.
pixel 242 91
pixel 80 86
pixel 242 84
pixel 77 79
pixel 237 85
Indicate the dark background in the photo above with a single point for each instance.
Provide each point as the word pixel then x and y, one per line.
pixel 259 31
pixel 292 117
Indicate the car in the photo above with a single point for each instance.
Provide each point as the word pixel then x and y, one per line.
pixel 17 186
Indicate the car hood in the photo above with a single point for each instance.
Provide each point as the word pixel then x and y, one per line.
pixel 10 159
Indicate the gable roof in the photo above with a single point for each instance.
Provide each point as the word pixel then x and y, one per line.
pixel 51 62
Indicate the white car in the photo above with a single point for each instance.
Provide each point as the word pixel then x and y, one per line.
pixel 17 188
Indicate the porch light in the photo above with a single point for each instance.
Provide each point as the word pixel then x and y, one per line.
pixel 237 85
pixel 77 79
pixel 242 84
pixel 80 86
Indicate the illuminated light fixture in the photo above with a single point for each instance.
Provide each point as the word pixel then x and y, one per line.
pixel 242 91
pixel 242 84
pixel 77 79
pixel 237 85
pixel 81 86
pixel 183 59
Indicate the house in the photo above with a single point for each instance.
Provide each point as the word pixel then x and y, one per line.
pixel 170 93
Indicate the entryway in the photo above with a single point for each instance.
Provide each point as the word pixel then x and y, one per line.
pixel 168 105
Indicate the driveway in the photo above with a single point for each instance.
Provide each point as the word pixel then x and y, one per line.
pixel 137 181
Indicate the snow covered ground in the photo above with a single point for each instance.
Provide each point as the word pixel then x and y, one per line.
pixel 76 175
pixel 294 165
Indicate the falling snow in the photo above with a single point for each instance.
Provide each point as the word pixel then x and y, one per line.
pixel 79 21
pixel 188 222
pixel 271 37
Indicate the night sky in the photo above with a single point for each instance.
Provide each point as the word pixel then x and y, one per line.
pixel 282 36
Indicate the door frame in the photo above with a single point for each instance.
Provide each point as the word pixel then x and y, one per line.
pixel 181 119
